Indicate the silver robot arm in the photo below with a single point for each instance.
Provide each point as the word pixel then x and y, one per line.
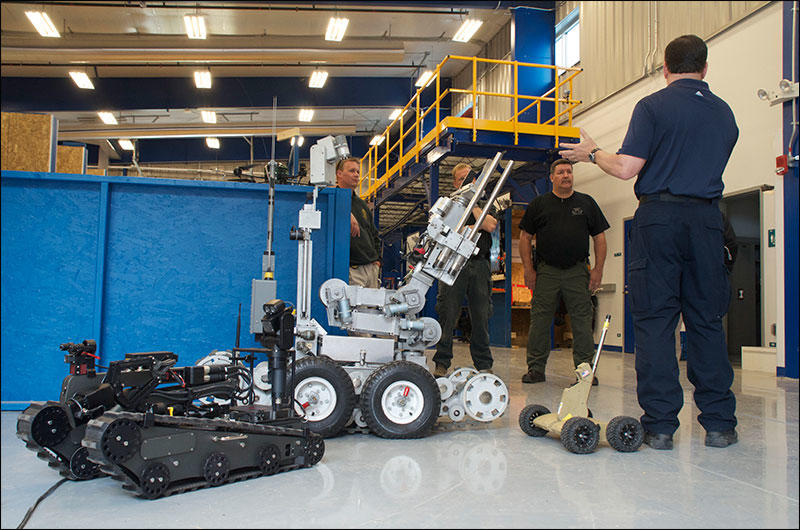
pixel 448 244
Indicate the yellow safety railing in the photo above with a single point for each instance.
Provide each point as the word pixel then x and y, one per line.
pixel 375 162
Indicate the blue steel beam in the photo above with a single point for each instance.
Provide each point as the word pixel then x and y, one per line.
pixel 52 94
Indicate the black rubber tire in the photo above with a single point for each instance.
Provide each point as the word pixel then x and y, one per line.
pixel 155 480
pixel 325 368
pixel 121 440
pixel 314 449
pixel 380 380
pixel 216 469
pixel 269 459
pixel 50 426
pixel 80 468
pixel 526 417
pixel 625 434
pixel 580 435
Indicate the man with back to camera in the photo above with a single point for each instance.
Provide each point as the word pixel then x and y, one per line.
pixel 679 140
pixel 474 281
pixel 365 246
pixel 561 222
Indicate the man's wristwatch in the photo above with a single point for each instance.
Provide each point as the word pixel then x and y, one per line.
pixel 592 155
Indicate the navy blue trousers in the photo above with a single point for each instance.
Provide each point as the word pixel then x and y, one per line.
pixel 676 267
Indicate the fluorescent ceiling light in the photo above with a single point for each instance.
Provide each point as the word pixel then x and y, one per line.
pixel 202 79
pixel 81 79
pixel 396 114
pixel 107 118
pixel 336 28
pixel 306 115
pixel 209 116
pixel 376 140
pixel 42 23
pixel 424 78
pixel 126 144
pixel 318 79
pixel 195 26
pixel 213 143
pixel 467 30
pixel 300 140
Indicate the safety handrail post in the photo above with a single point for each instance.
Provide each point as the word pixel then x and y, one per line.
pixel 416 144
pixel 400 140
pixel 516 104
pixel 474 97
pixel 438 79
pixel 557 96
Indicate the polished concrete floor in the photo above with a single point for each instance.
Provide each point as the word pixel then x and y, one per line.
pixel 476 476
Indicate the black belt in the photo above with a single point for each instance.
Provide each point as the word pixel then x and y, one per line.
pixel 668 197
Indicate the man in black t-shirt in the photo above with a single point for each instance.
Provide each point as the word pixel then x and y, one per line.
pixel 365 246
pixel 474 281
pixel 560 223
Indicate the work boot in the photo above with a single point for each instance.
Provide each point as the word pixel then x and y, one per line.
pixel 440 370
pixel 486 371
pixel 721 439
pixel 533 377
pixel 658 441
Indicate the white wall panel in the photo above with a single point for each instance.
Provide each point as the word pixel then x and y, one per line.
pixel 741 60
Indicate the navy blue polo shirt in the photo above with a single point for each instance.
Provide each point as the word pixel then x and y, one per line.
pixel 686 135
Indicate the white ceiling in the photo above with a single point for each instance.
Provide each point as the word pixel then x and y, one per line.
pixel 246 39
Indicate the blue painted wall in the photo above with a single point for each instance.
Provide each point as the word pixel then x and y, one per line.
pixel 142 265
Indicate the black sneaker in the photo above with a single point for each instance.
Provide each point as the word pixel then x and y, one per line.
pixel 721 439
pixel 658 441
pixel 533 377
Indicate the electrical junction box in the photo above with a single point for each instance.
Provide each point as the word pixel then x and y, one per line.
pixel 311 219
pixel 261 292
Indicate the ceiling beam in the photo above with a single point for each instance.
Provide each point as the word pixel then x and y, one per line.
pixel 98 133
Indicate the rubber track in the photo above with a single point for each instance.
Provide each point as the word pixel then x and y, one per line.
pixel 96 428
pixel 55 460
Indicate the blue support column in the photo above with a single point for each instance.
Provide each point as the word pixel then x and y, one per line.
pixel 500 322
pixel 100 268
pixel 791 226
pixel 433 195
pixel 533 41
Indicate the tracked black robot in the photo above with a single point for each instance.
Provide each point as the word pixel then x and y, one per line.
pixel 150 424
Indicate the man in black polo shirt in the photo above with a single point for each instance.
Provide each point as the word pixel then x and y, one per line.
pixel 365 246
pixel 474 281
pixel 679 140
pixel 561 222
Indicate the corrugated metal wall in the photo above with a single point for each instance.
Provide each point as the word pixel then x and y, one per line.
pixel 490 78
pixel 621 42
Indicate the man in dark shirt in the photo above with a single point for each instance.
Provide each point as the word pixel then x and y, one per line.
pixel 474 281
pixel 365 246
pixel 679 140
pixel 561 222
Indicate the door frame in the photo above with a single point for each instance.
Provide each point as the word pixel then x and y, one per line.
pixel 628 338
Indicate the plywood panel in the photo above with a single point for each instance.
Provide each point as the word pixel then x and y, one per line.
pixel 26 141
pixel 69 159
pixel 520 294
